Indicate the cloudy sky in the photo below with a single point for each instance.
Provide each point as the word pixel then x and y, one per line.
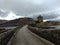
pixel 12 9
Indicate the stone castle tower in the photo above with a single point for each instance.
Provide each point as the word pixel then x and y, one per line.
pixel 40 18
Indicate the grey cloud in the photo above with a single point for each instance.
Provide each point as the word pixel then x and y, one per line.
pixel 3 14
pixel 52 16
pixel 27 7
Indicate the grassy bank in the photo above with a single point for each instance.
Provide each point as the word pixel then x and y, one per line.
pixel 1 31
pixel 5 36
pixel 51 35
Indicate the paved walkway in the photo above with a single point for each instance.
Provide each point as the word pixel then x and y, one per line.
pixel 26 37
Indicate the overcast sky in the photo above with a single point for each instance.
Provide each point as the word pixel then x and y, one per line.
pixel 11 9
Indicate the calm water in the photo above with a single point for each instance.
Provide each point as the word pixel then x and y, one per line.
pixel 9 27
pixel 56 27
pixel 51 27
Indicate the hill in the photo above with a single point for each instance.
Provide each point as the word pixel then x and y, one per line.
pixel 18 22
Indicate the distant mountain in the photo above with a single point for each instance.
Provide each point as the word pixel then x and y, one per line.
pixel 18 22
pixel 3 21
